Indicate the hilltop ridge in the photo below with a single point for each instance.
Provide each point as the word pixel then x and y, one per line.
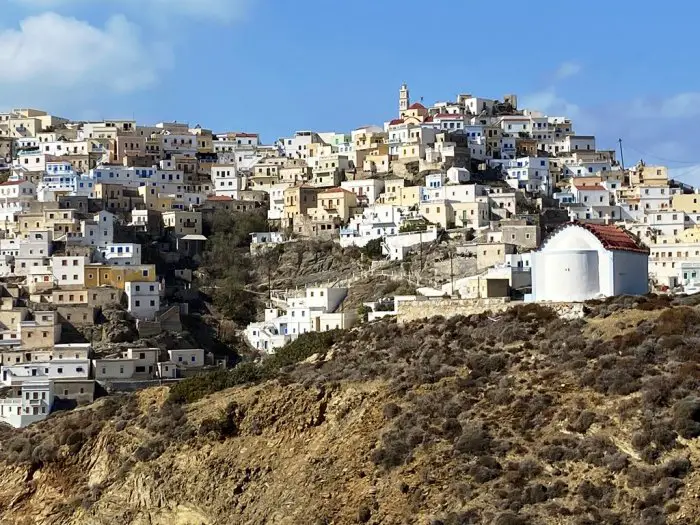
pixel 522 419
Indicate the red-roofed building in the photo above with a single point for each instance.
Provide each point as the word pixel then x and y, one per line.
pixel 590 194
pixel 580 261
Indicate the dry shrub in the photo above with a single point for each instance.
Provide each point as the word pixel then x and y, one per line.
pixel 676 321
pixel 474 440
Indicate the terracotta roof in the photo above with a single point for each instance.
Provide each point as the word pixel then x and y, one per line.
pixel 610 236
pixel 416 105
pixel 428 119
pixel 219 198
pixel 396 121
pixel 593 187
pixel 246 134
pixel 12 182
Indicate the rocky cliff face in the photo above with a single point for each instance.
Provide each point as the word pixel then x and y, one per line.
pixel 517 419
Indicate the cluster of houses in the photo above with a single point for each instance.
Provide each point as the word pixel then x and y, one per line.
pixel 543 213
pixel 38 373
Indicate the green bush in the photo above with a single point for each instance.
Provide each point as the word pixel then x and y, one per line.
pixel 306 345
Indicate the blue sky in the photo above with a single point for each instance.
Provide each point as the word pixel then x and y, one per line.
pixel 273 66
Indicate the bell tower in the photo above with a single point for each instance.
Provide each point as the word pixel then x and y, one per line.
pixel 404 98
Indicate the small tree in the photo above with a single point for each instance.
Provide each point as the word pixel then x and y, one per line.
pixel 373 249
pixel 363 312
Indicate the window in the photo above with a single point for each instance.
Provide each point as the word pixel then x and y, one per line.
pixel 137 303
pixel 59 370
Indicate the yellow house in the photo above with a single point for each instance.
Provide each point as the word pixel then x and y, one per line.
pixel 412 151
pixel 269 168
pixel 409 196
pixel 649 175
pixel 41 332
pixel 153 200
pixel 112 196
pixel 392 191
pixel 689 235
pixel 438 212
pixel 205 139
pixel 336 202
pixel 416 112
pixel 471 214
pixel 297 201
pixel 97 275
pixel 378 160
pixel 366 139
pixel 60 221
pixel 183 222
pixel 688 203
pixel 69 297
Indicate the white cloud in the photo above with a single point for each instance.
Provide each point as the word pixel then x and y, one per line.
pixel 51 55
pixel 683 105
pixel 224 11
pixel 567 69
pixel 549 102
pixel 678 106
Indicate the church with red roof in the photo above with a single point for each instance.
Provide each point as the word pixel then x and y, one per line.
pixel 581 261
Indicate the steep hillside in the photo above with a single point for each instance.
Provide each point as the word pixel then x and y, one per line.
pixel 516 419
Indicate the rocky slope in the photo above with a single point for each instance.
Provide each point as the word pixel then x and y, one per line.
pixel 518 419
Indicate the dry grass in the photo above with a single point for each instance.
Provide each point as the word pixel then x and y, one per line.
pixel 621 323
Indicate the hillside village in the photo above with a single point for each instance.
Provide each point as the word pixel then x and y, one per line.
pixel 113 217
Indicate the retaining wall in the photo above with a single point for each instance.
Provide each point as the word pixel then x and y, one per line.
pixel 413 310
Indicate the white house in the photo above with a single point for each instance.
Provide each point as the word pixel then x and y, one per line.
pixel 191 358
pixel 99 231
pixel 528 173
pixel 69 271
pixel 120 254
pixel 143 299
pixel 27 404
pixel 262 240
pixel 591 195
pixel 367 190
pixel 15 196
pixel 458 175
pixel 18 374
pixel 397 246
pixel 313 310
pixel 227 181
pixel 585 261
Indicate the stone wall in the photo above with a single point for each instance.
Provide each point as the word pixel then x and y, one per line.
pixel 414 310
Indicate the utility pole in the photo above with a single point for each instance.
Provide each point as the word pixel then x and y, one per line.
pixel 269 284
pixel 420 239
pixel 622 155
